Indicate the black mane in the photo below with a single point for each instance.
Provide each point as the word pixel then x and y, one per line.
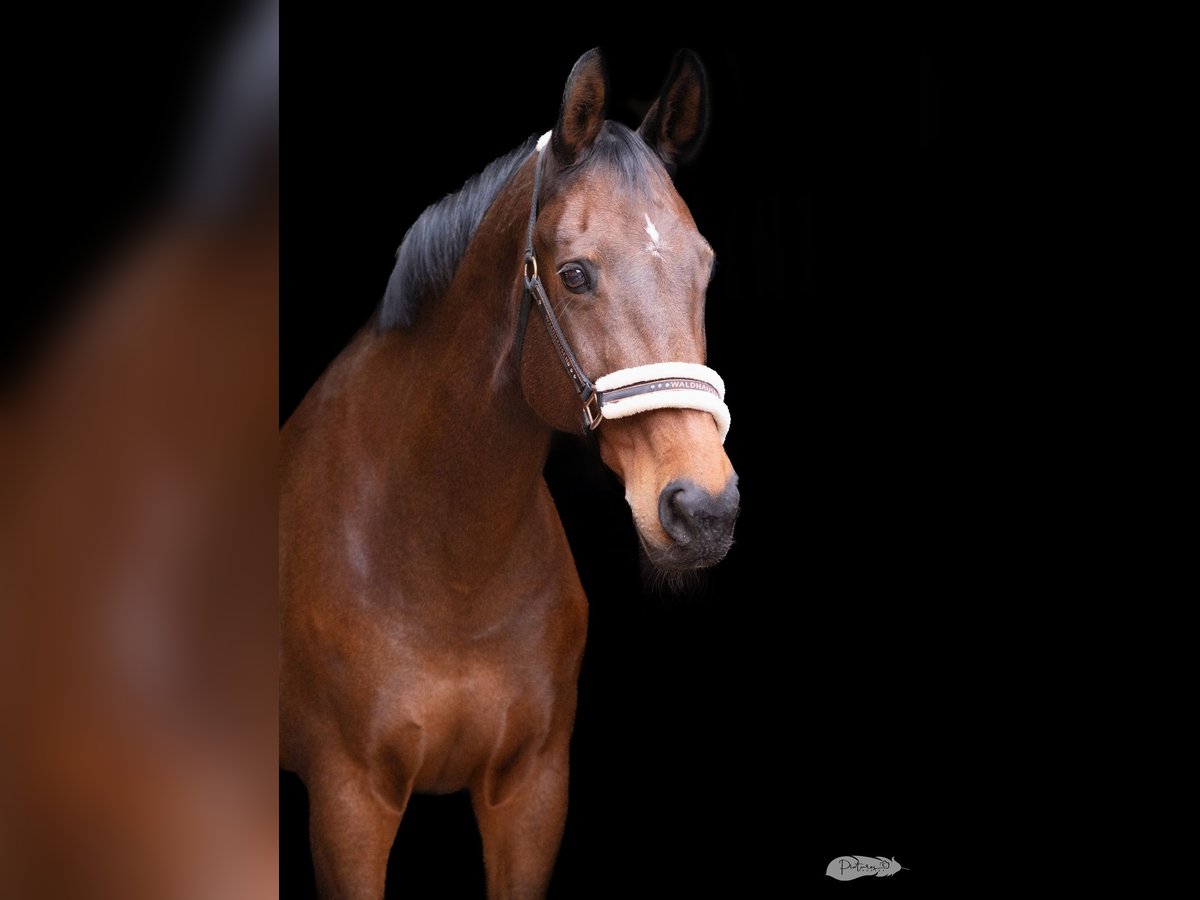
pixel 431 250
pixel 622 150
pixel 433 247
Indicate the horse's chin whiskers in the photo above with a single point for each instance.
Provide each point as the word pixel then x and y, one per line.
pixel 667 582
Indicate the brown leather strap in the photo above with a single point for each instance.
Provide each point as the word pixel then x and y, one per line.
pixel 658 384
pixel 535 292
pixel 583 384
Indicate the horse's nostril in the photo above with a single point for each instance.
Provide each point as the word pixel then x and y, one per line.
pixel 674 510
pixel 689 514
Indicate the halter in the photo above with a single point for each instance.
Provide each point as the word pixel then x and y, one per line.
pixel 625 392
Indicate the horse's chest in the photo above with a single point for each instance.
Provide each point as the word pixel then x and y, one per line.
pixel 477 717
pixel 467 702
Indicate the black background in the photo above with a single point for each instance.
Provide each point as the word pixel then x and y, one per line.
pixel 806 699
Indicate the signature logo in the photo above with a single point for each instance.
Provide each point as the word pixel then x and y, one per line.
pixel 847 868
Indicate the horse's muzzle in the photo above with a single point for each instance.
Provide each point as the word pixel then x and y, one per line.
pixel 699 522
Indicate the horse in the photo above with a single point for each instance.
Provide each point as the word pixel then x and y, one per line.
pixel 433 622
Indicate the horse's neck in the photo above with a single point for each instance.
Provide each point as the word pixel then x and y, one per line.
pixel 454 446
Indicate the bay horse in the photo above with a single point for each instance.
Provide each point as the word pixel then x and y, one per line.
pixel 433 621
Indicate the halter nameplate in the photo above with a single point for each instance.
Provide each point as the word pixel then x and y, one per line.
pixel 626 392
pixel 678 385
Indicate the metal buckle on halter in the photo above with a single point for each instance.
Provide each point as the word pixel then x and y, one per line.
pixel 591 420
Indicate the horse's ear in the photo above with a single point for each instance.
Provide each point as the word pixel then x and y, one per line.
pixel 582 115
pixel 676 123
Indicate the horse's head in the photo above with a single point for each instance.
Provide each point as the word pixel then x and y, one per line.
pixel 626 270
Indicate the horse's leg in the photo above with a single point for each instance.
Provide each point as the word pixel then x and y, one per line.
pixel 351 828
pixel 521 834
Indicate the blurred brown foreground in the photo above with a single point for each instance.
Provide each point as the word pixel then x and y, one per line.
pixel 138 614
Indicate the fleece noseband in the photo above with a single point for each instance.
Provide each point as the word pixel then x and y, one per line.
pixel 625 392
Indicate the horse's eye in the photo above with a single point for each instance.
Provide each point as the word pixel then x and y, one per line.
pixel 573 277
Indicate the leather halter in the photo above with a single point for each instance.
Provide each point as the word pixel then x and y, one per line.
pixel 626 391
